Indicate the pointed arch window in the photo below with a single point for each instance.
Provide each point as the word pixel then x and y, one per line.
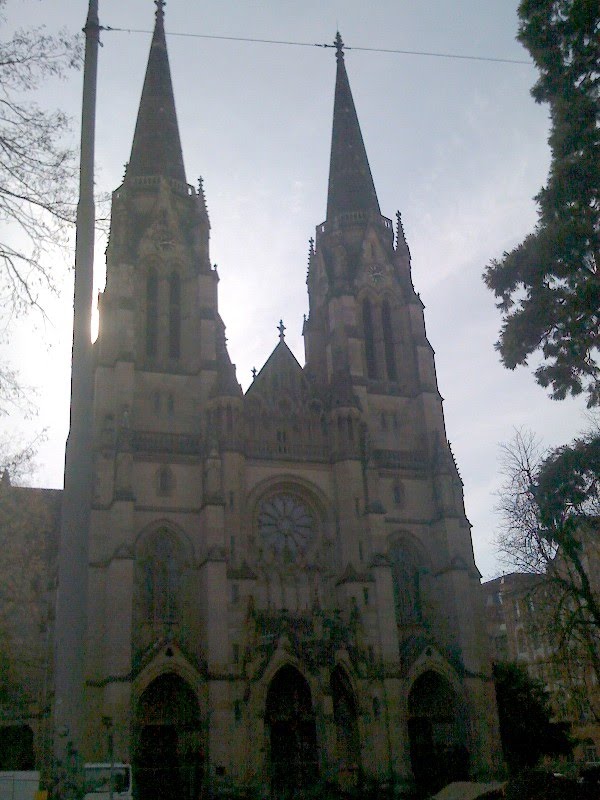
pixel 406 577
pixel 369 338
pixel 388 342
pixel 165 481
pixel 162 573
pixel 151 314
pixel 174 316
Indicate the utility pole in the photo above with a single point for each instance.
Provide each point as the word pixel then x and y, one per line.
pixel 71 602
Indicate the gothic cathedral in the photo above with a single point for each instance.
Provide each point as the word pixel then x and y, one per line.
pixel 282 591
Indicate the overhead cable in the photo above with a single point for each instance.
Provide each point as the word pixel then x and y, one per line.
pixel 427 53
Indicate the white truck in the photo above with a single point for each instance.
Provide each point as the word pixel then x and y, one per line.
pixel 19 785
pixel 99 779
pixel 107 781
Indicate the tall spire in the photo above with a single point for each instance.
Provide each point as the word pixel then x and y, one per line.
pixel 156 148
pixel 351 185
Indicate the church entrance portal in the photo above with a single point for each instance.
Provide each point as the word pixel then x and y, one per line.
pixel 292 733
pixel 168 759
pixel 437 733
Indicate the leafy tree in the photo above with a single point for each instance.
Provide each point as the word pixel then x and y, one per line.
pixel 550 506
pixel 37 170
pixel 526 729
pixel 549 285
pixel 37 193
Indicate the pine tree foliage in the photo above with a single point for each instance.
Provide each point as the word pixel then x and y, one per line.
pixel 526 728
pixel 549 285
pixel 37 168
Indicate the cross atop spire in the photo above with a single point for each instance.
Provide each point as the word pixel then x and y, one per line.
pixel 351 185
pixel 281 329
pixel 156 148
pixel 160 9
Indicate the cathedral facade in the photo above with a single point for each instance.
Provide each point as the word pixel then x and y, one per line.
pixel 282 591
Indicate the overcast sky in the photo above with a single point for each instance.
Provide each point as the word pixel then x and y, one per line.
pixel 457 145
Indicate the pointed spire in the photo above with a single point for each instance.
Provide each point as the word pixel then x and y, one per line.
pixel 156 148
pixel 401 243
pixel 351 186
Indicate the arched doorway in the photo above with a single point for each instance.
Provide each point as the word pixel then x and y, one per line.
pixel 290 722
pixel 169 753
pixel 345 714
pixel 437 733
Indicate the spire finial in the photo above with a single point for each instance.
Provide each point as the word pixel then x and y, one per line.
pixel 160 10
pixel 281 329
pixel 339 46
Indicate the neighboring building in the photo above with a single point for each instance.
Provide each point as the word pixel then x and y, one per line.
pixel 29 534
pixel 282 588
pixel 520 612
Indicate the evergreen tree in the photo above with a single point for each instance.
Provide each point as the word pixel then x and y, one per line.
pixel 549 285
pixel 526 729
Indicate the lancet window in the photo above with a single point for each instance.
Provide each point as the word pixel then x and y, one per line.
pixel 151 314
pixel 388 342
pixel 162 568
pixel 370 353
pixel 174 316
pixel 406 575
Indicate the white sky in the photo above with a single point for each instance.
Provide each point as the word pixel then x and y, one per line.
pixel 458 146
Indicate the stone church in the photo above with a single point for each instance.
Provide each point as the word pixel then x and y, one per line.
pixel 282 590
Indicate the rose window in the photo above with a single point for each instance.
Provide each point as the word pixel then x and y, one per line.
pixel 285 526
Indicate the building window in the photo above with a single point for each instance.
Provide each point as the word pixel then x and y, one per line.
pixel 590 754
pixel 151 314
pixel 281 442
pixel 166 481
pixel 388 342
pixel 369 339
pixel 376 707
pixel 170 405
pixel 162 572
pixel 174 316
pixel 406 576
pixel 398 494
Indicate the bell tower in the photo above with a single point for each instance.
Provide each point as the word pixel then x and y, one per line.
pixel 358 275
pixel 159 317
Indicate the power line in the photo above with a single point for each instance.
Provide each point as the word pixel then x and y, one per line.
pixel 427 53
